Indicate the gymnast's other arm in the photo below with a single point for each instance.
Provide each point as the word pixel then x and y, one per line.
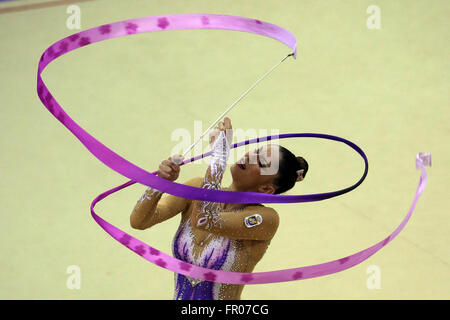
pixel 152 208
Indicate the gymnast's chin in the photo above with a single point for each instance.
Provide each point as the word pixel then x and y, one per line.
pixel 221 236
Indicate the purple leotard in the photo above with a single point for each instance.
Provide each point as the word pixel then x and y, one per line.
pixel 218 254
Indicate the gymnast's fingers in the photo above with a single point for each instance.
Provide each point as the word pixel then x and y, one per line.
pixel 163 175
pixel 227 123
pixel 168 173
pixel 164 168
pixel 228 130
pixel 213 135
pixel 171 165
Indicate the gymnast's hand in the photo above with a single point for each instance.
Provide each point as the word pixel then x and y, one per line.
pixel 169 169
pixel 225 126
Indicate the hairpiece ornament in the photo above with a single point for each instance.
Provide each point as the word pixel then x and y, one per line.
pixel 300 175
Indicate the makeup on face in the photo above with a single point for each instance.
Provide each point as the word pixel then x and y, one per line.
pixel 260 160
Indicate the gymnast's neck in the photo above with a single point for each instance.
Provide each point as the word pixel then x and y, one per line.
pixel 237 206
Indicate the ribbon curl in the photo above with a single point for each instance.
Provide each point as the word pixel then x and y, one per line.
pixel 126 168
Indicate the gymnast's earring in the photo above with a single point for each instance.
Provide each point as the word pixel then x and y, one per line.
pixel 300 175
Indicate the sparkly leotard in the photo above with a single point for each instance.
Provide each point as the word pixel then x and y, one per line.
pixel 218 254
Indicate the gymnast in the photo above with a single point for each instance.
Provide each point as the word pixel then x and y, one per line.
pixel 221 236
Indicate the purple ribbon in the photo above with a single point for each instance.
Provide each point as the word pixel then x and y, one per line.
pixel 126 168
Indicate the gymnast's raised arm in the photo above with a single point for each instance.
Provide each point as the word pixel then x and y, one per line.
pixel 220 139
pixel 152 208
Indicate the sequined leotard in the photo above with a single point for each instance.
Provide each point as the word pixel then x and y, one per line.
pixel 218 253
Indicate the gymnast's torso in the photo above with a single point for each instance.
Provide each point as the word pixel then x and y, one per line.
pixel 212 251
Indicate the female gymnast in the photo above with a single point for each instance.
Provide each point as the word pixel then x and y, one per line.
pixel 221 236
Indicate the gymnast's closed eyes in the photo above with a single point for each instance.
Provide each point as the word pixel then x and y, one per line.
pixel 222 236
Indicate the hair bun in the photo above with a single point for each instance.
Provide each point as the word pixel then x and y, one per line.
pixel 291 170
pixel 303 164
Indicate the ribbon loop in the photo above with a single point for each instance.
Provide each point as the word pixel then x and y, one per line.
pixel 127 169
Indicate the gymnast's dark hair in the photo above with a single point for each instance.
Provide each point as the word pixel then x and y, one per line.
pixel 287 171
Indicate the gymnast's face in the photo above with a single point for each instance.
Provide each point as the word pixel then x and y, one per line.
pixel 257 169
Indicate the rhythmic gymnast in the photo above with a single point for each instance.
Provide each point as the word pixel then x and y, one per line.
pixel 221 236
